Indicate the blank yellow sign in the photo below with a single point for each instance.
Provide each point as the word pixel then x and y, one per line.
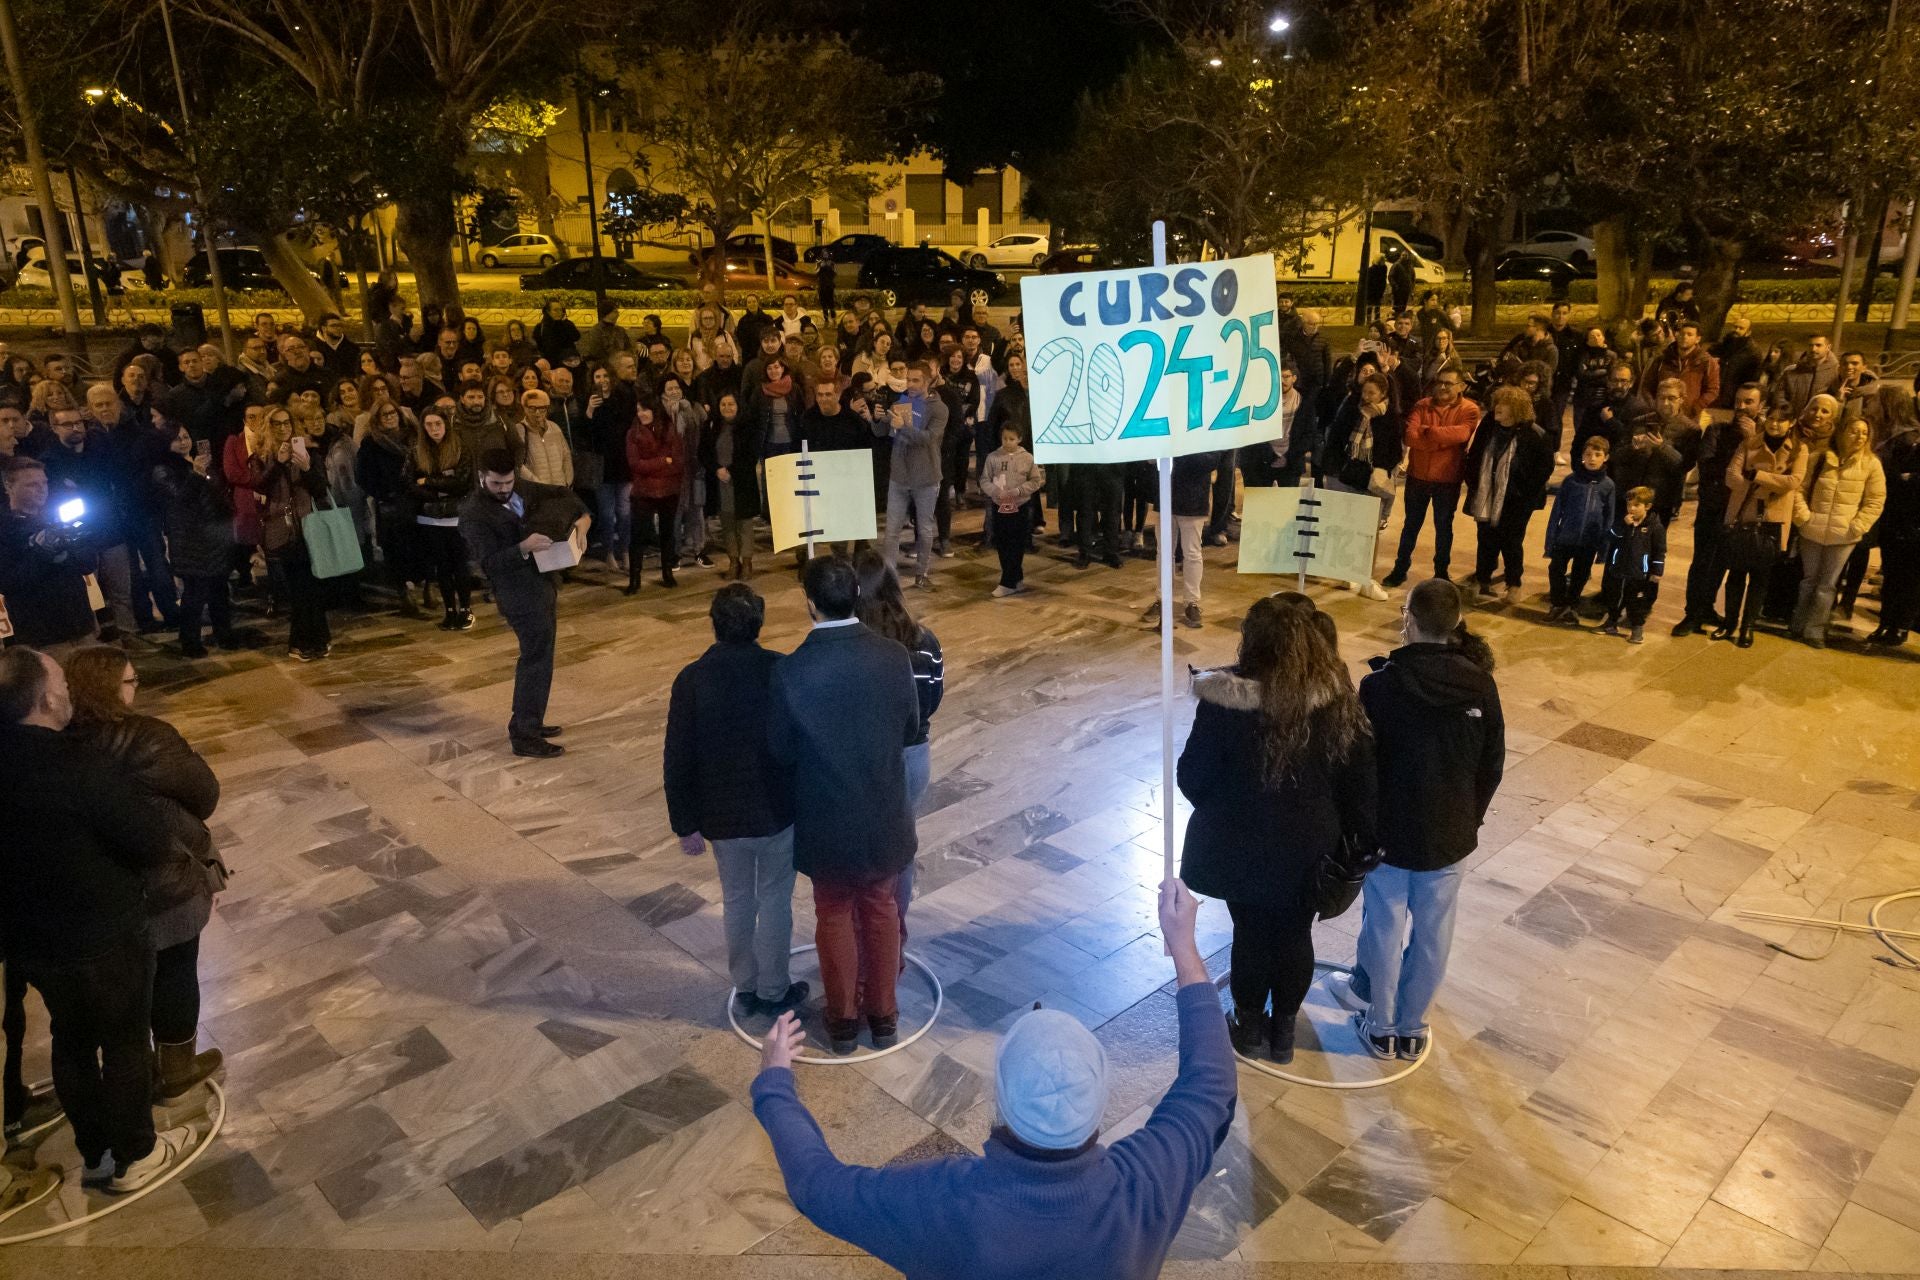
pixel 826 495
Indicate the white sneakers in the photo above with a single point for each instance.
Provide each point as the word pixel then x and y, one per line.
pixel 169 1147
pixel 1340 987
pixel 1002 592
pixel 1370 589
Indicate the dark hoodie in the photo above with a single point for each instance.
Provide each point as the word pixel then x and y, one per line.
pixel 1440 743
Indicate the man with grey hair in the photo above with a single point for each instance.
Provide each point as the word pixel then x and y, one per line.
pixel 1046 1198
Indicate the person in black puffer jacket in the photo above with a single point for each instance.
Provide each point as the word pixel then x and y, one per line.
pixel 1280 771
pixel 179 890
pixel 380 470
pixel 441 474
pixel 198 518
pixel 1441 750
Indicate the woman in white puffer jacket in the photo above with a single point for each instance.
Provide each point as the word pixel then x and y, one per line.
pixel 1844 494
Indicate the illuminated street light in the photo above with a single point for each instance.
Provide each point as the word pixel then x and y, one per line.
pixel 1214 62
pixel 1278 23
pixel 95 93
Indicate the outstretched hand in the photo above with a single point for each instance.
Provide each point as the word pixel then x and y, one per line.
pixel 783 1042
pixel 1179 910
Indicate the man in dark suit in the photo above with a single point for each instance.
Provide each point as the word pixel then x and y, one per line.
pixel 842 708
pixel 502 521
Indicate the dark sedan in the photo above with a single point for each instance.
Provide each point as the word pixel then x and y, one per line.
pixel 851 249
pixel 1555 273
pixel 903 275
pixel 613 275
pixel 240 268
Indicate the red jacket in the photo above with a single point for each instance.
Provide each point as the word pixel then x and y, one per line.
pixel 653 459
pixel 1436 440
pixel 1700 371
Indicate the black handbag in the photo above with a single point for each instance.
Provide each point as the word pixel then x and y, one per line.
pixel 1338 876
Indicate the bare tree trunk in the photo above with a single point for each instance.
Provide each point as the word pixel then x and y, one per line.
pixel 1871 235
pixel 290 271
pixel 1614 268
pixel 1483 246
pixel 425 231
pixel 1455 255
pixel 1718 282
pixel 1642 280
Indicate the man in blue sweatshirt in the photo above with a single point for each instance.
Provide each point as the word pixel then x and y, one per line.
pixel 1045 1200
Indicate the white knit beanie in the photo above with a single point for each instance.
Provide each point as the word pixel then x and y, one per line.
pixel 1050 1080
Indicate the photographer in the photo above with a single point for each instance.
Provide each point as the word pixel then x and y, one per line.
pixel 43 567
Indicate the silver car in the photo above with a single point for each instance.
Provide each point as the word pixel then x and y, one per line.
pixel 522 251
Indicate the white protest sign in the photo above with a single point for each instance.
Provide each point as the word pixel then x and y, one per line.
pixel 824 496
pixel 1321 532
pixel 1152 362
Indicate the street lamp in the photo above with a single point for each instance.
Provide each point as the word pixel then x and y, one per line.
pixel 1278 24
pixel 1215 62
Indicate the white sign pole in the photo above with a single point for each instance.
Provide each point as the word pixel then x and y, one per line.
pixel 1166 617
pixel 807 491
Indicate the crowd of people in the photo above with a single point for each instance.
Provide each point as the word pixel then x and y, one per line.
pixel 437 458
pixel 1798 463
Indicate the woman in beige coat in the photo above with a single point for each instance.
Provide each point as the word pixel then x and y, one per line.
pixel 1763 482
pixel 1844 494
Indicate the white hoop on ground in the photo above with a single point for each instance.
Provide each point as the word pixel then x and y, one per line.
pixel 1270 1069
pixel 815 1060
pixel 120 1202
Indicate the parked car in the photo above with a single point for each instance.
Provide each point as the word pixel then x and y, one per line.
pixel 1074 257
pixel 522 251
pixel 744 271
pixel 1556 272
pixel 35 275
pixel 579 274
pixel 926 275
pixel 1568 246
pixel 753 245
pixel 241 267
pixel 1018 250
pixel 850 249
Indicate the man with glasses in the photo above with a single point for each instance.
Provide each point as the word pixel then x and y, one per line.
pixel 1438 428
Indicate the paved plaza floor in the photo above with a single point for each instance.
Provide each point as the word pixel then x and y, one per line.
pixel 472 1005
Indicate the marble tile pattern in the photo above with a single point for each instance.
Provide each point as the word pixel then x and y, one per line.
pixel 472 1003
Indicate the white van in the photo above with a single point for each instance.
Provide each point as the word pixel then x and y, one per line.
pixel 1333 256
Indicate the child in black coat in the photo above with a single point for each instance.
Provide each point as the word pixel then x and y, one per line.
pixel 1636 557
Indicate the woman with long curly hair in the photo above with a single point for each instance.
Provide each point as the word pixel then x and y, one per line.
pixel 179 890
pixel 1279 769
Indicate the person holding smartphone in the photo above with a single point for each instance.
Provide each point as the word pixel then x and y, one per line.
pixel 292 486
pixel 199 528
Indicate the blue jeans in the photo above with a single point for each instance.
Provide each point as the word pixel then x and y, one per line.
pixel 1402 972
pixel 923 500
pixel 919 758
pixel 756 907
pixel 615 527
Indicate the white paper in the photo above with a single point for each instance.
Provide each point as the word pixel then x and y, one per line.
pixel 562 555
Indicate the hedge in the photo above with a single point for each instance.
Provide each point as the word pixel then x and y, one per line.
pixel 1802 290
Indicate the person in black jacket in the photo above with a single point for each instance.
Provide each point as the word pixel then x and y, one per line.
pixel 380 469
pixel 1440 743
pixel 1508 466
pixel 501 521
pixel 1280 771
pixel 724 786
pixel 439 476
pixel 842 710
pixel 199 524
pixel 179 891
pixel 1192 487
pixel 1719 444
pixel 81 837
pixel 43 564
pixel 1636 558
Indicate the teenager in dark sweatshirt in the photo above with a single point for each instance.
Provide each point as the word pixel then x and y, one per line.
pixel 1046 1200
pixel 1440 748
